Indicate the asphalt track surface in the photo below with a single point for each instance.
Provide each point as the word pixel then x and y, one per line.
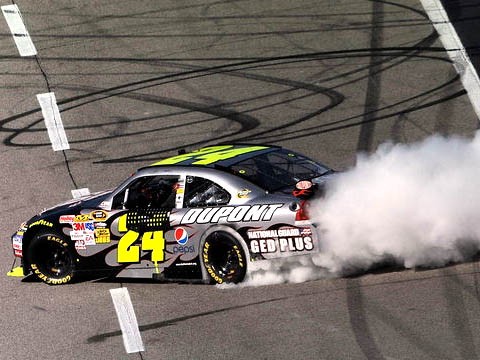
pixel 137 80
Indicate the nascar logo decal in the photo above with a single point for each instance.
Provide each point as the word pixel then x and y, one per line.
pixel 230 214
pixel 181 236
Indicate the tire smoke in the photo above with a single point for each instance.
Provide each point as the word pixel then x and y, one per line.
pixel 412 205
pixel 417 205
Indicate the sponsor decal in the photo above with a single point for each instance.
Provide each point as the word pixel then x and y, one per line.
pixel 179 193
pixel 206 262
pixel 83 231
pixel 80 245
pixel 41 223
pixel 83 226
pixel 186 264
pixel 183 249
pixel 181 236
pixel 230 214
pixel 99 215
pixel 280 240
pixel 82 218
pixel 47 279
pixel 304 185
pixel 66 219
pixel 17 241
pixel 242 194
pixel 102 236
pixel 105 205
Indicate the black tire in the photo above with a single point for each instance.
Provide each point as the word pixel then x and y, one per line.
pixel 51 259
pixel 224 258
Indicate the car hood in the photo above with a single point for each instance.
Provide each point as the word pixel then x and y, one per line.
pixel 88 201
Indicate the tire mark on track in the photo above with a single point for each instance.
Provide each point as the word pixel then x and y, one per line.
pixel 373 92
pixel 459 321
pixel 334 125
pixel 359 323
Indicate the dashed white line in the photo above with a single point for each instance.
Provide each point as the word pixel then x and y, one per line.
pixel 53 121
pixel 19 31
pixel 455 49
pixel 127 319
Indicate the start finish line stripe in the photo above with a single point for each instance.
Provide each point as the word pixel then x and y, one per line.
pixel 53 121
pixel 19 31
pixel 127 319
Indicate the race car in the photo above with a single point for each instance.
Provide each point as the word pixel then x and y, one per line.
pixel 198 216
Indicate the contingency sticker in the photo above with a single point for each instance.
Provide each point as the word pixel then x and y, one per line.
pixel 83 231
pixel 287 239
pixel 102 236
pixel 17 243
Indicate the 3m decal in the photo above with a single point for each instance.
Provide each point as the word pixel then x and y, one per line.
pixel 230 214
pixel 83 231
pixel 210 155
pixel 83 226
pixel 150 241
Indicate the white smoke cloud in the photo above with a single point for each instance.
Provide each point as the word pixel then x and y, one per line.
pixel 415 204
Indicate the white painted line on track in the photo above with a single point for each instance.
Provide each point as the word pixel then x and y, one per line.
pixel 127 319
pixel 53 121
pixel 78 193
pixel 19 31
pixel 455 49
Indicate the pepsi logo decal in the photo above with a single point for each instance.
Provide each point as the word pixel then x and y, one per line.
pixel 181 236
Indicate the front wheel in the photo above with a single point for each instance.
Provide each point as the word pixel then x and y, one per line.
pixel 50 259
pixel 224 258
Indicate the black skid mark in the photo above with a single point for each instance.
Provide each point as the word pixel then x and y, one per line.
pixel 373 92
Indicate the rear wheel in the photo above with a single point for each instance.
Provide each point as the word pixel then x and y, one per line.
pixel 224 258
pixel 50 259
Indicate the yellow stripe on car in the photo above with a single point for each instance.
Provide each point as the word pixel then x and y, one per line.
pixel 210 155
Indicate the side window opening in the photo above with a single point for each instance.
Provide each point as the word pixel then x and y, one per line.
pixel 153 192
pixel 201 192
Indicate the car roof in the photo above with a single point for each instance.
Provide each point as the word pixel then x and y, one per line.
pixel 216 156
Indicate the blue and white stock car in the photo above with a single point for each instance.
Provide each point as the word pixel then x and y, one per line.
pixel 199 216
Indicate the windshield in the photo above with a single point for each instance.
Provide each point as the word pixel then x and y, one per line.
pixel 278 169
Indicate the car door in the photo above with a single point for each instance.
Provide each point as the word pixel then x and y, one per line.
pixel 142 225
